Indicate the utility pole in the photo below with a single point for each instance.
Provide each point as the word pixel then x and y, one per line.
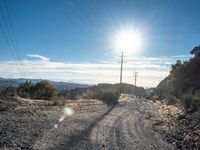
pixel 135 74
pixel 122 61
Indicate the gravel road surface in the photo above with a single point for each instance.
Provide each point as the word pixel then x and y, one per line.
pixel 129 125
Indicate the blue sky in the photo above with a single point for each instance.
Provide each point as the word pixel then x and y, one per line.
pixel 78 32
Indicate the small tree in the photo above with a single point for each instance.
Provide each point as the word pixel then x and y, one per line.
pixel 24 89
pixel 196 51
pixel 10 91
pixel 43 90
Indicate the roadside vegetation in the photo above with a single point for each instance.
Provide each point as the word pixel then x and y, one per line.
pixel 183 84
pixel 41 90
pixel 179 102
pixel 108 96
pixel 101 88
pixel 107 93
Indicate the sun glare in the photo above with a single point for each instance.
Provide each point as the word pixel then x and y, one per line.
pixel 128 40
pixel 68 111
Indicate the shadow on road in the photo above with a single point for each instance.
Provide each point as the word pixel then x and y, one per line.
pixel 74 139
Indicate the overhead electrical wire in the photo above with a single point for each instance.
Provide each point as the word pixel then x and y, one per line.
pixel 82 11
pixel 97 15
pixel 86 20
pixel 11 40
pixel 58 7
pixel 10 49
pixel 88 12
pixel 18 52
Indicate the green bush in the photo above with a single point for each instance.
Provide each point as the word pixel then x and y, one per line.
pixel 41 90
pixel 108 96
pixel 24 89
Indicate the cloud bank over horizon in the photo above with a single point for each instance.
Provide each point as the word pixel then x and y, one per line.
pixel 151 70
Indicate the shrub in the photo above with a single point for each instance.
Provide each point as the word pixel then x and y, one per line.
pixel 171 100
pixel 195 103
pixel 58 100
pixel 24 89
pixel 8 91
pixel 41 90
pixel 110 98
pixel 89 94
pixel 2 91
pixel 187 101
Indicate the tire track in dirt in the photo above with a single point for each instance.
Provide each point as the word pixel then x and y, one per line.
pixel 130 129
pixel 127 126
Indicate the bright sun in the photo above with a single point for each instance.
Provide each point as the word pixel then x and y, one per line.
pixel 128 40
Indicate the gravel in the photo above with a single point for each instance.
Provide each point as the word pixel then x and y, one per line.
pixel 28 124
pixel 24 121
pixel 180 128
pixel 20 128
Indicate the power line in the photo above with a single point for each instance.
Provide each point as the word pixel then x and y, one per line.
pixel 84 15
pixel 10 41
pixel 72 21
pixel 87 13
pixel 17 50
pixel 97 15
pixel 10 49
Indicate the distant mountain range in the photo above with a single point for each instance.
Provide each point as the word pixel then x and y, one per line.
pixel 6 82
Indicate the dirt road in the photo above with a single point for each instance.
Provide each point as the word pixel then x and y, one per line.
pixel 125 126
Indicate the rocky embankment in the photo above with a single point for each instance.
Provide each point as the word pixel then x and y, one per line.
pixel 181 128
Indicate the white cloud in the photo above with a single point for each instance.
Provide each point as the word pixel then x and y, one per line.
pixel 42 58
pixel 151 70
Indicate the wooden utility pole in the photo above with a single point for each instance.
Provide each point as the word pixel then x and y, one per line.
pixel 135 74
pixel 122 61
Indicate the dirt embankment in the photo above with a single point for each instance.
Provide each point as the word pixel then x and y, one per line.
pixel 181 128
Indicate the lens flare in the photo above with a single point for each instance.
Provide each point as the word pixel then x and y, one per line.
pixel 68 111
pixel 61 118
pixel 55 126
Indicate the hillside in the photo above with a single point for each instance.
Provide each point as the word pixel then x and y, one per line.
pixel 164 87
pixel 6 82
pixel 182 83
pixel 114 88
pixel 182 87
